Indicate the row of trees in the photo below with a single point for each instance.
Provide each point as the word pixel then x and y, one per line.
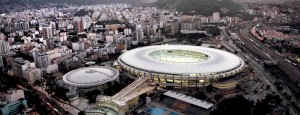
pixel 112 89
pixel 239 105
pixel 200 7
pixel 35 101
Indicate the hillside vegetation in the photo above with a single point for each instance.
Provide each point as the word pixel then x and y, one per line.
pixel 74 2
pixel 202 7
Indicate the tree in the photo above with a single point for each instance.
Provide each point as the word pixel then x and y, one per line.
pixel 61 92
pixel 109 84
pixel 143 96
pixel 237 105
pixel 217 97
pixel 92 95
pixel 161 97
pixel 214 30
pixel 201 95
pixel 156 86
pixel 81 113
pixel 209 88
pixel 21 108
pixel 268 87
pixel 38 83
pixel 44 109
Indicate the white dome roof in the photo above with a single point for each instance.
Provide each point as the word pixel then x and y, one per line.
pixel 181 59
pixel 90 76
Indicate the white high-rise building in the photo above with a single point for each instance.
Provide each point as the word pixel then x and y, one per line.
pixel 175 27
pixel 2 37
pixel 138 35
pixel 33 74
pixel 47 32
pixel 4 47
pixel 138 26
pixel 127 31
pixel 1 61
pixel 14 95
pixel 147 30
pixel 109 38
pixel 78 46
pixel 19 67
pixel 42 60
pixel 216 16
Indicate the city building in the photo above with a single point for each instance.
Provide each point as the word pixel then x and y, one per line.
pixel 81 23
pixel 188 25
pixel 47 32
pixel 78 46
pixel 4 47
pixel 175 27
pixel 147 30
pixel 127 31
pixel 109 38
pixel 2 37
pixel 19 66
pixel 204 20
pixel 188 66
pixel 21 26
pixel 11 101
pixel 78 26
pixel 2 61
pixel 26 70
pixel 138 35
pixel 33 74
pixel 186 104
pixel 41 60
pixel 216 16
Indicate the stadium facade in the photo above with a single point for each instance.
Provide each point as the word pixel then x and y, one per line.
pixel 181 65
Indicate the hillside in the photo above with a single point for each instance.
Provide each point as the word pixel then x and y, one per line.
pixel 37 3
pixel 19 5
pixel 265 1
pixel 202 7
pixel 75 2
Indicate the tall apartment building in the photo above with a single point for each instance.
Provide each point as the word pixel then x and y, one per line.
pixel 4 47
pixel 138 35
pixel 47 32
pixel 216 16
pixel 33 74
pixel 41 60
pixel 175 27
pixel 19 66
pixel 188 25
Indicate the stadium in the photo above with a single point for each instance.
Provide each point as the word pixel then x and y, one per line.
pixel 181 65
pixel 89 78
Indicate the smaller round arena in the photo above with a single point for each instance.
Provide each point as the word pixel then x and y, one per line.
pixel 89 78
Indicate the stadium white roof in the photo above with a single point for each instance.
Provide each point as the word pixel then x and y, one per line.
pixel 90 76
pixel 216 62
pixel 188 99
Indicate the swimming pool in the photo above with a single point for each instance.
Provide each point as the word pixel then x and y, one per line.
pixel 156 111
pixel 172 113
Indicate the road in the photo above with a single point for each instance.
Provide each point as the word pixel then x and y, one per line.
pixel 268 53
pixel 288 73
pixel 253 56
pixel 53 103
pixel 57 106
